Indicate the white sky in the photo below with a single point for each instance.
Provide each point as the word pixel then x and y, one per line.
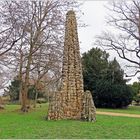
pixel 94 17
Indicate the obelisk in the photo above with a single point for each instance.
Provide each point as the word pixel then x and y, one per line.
pixel 68 102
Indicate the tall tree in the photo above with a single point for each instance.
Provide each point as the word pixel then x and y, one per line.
pixel 124 20
pixel 115 73
pixel 95 63
pixel 104 79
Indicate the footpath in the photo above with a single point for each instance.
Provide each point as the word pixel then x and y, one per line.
pixel 118 114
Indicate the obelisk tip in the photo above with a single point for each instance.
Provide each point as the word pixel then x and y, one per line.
pixel 70 12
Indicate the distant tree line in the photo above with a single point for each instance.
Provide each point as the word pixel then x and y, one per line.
pixel 13 90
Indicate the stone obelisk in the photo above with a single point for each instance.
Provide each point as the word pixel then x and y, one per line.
pixel 72 79
pixel 69 103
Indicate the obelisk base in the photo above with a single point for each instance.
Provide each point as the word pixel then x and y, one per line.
pixel 59 110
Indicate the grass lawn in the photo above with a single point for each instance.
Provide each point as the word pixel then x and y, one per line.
pixel 14 124
pixel 129 110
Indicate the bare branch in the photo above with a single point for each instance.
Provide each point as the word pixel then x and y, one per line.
pixel 125 18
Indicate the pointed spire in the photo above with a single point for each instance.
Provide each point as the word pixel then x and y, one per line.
pixel 68 103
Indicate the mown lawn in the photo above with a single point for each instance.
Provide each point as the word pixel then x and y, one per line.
pixel 14 124
pixel 129 110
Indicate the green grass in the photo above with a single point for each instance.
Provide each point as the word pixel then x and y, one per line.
pixel 14 124
pixel 129 110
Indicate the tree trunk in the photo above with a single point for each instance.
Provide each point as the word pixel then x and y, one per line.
pixel 35 100
pixel 20 75
pixel 24 106
pixel 1 104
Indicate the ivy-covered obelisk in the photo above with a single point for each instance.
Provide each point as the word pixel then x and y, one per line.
pixel 71 101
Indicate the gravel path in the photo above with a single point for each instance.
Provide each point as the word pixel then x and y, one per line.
pixel 118 114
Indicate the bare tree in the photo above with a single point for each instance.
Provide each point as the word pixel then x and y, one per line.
pixel 8 32
pixel 46 63
pixel 124 20
pixel 39 28
pixel 8 40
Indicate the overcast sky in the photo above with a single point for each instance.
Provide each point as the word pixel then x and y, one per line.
pixel 94 17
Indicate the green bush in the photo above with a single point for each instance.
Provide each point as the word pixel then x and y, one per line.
pixel 110 95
